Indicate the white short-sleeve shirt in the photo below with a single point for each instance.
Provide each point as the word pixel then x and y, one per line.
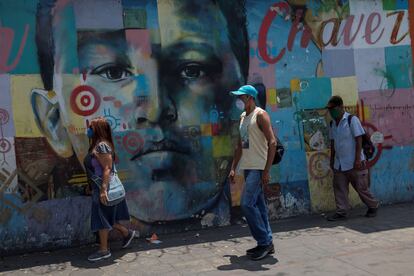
pixel 344 136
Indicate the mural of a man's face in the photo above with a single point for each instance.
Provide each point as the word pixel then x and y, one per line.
pixel 165 93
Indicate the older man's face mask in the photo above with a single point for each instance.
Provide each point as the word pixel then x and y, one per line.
pixel 334 112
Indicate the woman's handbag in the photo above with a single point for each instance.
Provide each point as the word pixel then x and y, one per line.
pixel 116 191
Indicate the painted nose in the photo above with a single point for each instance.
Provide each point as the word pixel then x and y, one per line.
pixel 155 106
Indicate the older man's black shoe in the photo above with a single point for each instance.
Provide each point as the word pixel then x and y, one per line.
pixel 336 217
pixel 261 251
pixel 251 251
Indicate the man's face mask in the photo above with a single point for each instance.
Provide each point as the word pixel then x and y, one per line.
pixel 334 112
pixel 240 104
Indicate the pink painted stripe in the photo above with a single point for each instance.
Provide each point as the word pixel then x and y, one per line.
pixel 108 98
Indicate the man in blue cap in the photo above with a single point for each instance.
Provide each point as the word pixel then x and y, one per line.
pixel 254 154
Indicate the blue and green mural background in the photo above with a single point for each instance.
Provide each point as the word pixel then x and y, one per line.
pixel 160 72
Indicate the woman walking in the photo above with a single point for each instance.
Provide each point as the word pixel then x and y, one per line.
pixel 100 162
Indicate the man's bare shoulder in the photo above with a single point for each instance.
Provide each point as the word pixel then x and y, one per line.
pixel 262 113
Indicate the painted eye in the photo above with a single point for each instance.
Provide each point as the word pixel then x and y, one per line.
pixel 192 71
pixel 113 72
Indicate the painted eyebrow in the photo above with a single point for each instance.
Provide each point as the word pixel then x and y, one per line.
pixel 176 48
pixel 113 41
pixel 120 57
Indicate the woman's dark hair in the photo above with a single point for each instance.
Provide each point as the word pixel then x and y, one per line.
pixel 101 133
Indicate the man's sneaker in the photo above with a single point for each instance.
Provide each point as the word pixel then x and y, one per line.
pixel 336 217
pixel 99 255
pixel 251 251
pixel 128 239
pixel 372 212
pixel 262 251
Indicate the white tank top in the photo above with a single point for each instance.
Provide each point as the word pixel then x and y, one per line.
pixel 254 143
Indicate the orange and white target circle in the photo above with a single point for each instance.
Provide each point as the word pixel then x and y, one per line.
pixel 84 100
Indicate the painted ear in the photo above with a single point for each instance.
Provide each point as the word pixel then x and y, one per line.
pixel 47 116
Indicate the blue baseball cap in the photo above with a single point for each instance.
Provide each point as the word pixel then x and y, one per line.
pixel 245 90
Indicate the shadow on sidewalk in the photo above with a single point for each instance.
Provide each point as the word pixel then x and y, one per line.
pixel 243 262
pixel 389 217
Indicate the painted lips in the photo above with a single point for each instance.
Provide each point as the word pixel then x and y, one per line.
pixel 163 146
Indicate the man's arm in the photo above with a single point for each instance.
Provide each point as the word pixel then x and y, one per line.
pixel 236 159
pixel 357 131
pixel 263 121
pixel 358 149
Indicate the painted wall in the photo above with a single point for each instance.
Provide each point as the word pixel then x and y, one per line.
pixel 160 72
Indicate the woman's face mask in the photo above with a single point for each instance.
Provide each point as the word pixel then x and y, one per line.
pixel 240 104
pixel 89 132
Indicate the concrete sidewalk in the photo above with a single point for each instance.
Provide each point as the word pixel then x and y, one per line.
pixel 304 246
